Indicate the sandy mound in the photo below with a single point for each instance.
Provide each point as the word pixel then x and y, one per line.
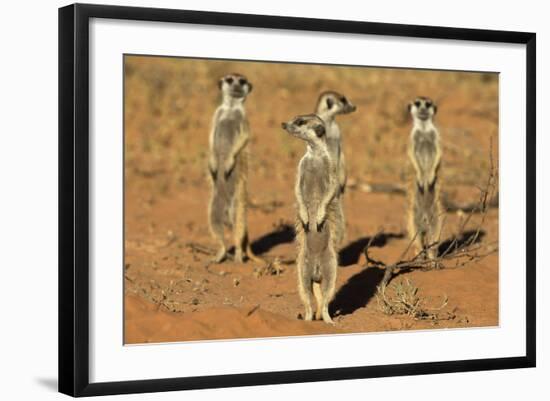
pixel 146 323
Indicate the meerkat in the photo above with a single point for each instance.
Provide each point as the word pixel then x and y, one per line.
pixel 329 105
pixel 316 193
pixel 228 167
pixel 425 155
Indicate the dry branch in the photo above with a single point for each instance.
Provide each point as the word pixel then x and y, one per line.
pixel 451 206
pixel 199 248
pixel 461 250
pixel 404 299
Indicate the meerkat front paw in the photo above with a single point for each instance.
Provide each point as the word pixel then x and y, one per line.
pixel 320 220
pixel 431 184
pixel 213 173
pixel 213 167
pixel 420 187
pixel 228 167
pixel 304 219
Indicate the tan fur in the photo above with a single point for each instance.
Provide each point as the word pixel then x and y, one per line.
pixel 424 219
pixel 322 295
pixel 228 168
pixel 316 193
pixel 329 105
pixel 340 234
pixel 424 215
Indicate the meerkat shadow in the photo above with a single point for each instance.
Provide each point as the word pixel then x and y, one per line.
pixel 356 292
pixel 350 254
pixel 282 234
pixel 466 238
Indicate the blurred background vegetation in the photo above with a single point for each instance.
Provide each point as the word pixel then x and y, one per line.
pixel 169 104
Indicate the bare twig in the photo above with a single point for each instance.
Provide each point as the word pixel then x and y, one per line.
pixel 405 300
pixel 199 248
pixel 461 250
pixel 254 309
pixel 451 206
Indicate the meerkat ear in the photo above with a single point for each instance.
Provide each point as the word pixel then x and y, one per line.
pixel 249 87
pixel 319 130
pixel 409 107
pixel 330 103
pixel 220 83
pixel 435 109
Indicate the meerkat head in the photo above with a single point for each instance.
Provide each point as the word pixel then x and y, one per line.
pixel 334 103
pixel 309 128
pixel 234 86
pixel 422 108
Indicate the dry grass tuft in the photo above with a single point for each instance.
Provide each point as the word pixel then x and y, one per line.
pixel 271 268
pixel 403 298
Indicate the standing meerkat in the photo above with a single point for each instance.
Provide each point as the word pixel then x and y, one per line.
pixel 228 167
pixel 425 155
pixel 329 105
pixel 316 193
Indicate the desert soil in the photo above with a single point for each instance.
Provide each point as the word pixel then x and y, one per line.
pixel 173 293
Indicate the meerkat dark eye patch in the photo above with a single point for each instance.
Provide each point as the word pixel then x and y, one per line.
pixel 319 130
pixel 330 103
pixel 417 103
pixel 299 122
pixel 343 99
pixel 242 81
pixel 229 80
pixel 429 104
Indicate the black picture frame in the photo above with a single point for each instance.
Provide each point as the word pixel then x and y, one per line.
pixel 74 198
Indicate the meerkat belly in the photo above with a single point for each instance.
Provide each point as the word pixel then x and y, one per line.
pixel 227 131
pixel 317 242
pixel 315 186
pixel 333 145
pixel 425 152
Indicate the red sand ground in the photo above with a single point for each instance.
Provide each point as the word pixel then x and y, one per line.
pixel 170 294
